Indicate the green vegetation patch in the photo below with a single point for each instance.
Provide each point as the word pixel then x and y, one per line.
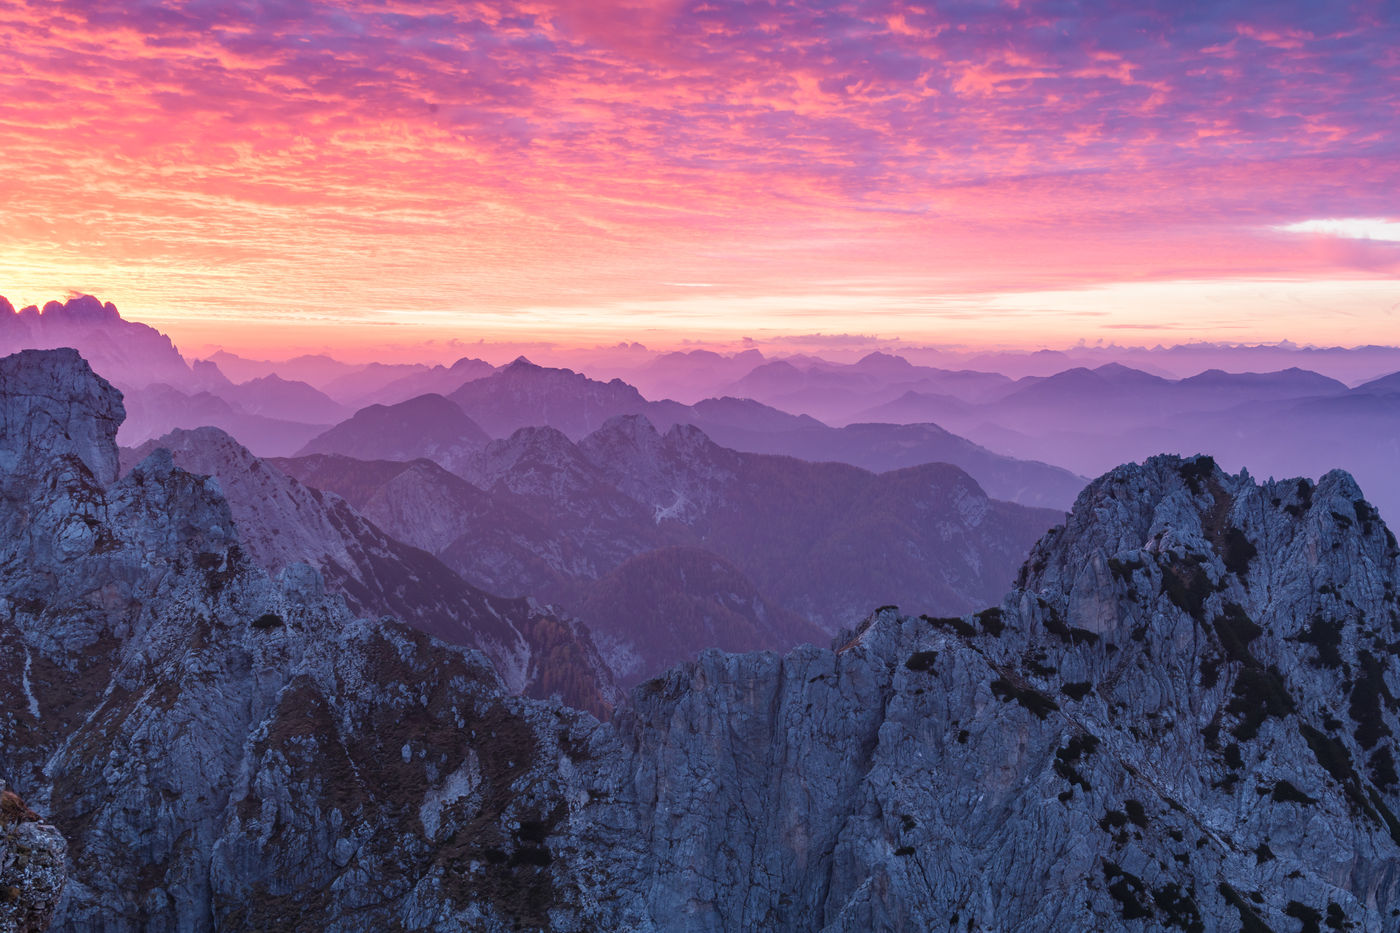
pixel 1286 792
pixel 1364 707
pixel 1304 492
pixel 1236 631
pixel 1236 550
pixel 1259 694
pixel 1250 921
pixel 1366 514
pixel 1196 471
pixel 922 661
pixel 1310 918
pixel 1128 890
pixel 1077 690
pixel 1124 569
pixel 1325 635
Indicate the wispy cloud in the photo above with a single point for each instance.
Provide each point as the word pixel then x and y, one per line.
pixel 1355 228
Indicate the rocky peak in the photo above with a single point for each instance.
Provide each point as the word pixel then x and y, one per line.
pixel 532 461
pixel 127 353
pixel 53 405
pixel 626 444
pixel 82 309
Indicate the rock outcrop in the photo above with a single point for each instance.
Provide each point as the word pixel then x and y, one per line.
pixel 1183 716
pixel 55 409
pixel 32 869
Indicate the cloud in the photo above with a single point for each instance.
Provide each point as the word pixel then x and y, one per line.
pixel 1354 228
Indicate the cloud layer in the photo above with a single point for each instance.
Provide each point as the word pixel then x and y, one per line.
pixel 558 163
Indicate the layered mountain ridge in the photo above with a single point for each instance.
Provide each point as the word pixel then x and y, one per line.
pixel 525 395
pixel 1183 716
pixel 811 545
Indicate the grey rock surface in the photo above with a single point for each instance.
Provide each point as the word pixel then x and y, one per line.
pixel 1183 716
pixel 32 869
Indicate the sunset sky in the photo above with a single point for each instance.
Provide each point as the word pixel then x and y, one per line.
pixel 294 174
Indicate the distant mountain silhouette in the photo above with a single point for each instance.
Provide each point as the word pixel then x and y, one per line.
pixel 692 375
pixel 315 369
pixel 427 426
pixel 525 395
pixel 538 513
pixel 273 396
pixel 126 353
pixel 836 392
pixel 437 380
pixel 155 410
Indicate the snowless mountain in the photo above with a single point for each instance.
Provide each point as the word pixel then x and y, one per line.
pixel 1281 423
pixel 1181 716
pixel 426 426
pixel 524 395
pixel 305 405
pixel 127 353
pixel 281 523
pixel 434 380
pixel 536 513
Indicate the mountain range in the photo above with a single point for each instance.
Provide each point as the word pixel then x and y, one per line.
pixel 523 394
pixel 279 409
pixel 1283 423
pixel 537 513
pixel 1181 715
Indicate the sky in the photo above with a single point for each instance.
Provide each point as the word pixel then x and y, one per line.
pixel 278 175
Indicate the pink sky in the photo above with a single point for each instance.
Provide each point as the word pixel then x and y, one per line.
pixel 302 175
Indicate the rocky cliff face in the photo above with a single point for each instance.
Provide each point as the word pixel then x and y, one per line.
pixel 1182 717
pixel 281 523
pixel 54 411
pixel 178 708
pixel 32 869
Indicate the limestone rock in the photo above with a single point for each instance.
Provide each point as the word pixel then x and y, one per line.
pixel 32 869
